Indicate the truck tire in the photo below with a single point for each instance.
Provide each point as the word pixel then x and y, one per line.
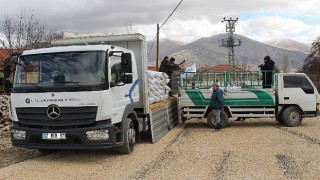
pixel 212 120
pixel 279 119
pixel 46 151
pixel 129 138
pixel 292 116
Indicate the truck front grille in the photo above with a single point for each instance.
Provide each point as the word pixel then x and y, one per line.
pixel 69 116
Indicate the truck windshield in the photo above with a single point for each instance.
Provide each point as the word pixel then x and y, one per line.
pixel 78 70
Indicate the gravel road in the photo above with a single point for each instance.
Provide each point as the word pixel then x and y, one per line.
pixel 253 149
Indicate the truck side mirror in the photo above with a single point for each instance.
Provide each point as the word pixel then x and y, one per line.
pixel 126 63
pixel 127 79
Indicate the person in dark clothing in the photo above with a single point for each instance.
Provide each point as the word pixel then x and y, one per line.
pixel 267 71
pixel 176 66
pixel 216 103
pixel 167 67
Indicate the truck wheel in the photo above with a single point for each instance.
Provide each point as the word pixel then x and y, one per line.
pixel 46 151
pixel 129 138
pixel 292 116
pixel 184 119
pixel 212 120
pixel 279 119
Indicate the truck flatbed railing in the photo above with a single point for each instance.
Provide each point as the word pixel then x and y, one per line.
pixel 232 79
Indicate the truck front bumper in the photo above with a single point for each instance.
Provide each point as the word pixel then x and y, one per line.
pixel 75 138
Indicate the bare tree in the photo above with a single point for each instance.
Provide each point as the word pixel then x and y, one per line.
pixel 9 32
pixel 311 64
pixel 26 32
pixel 285 61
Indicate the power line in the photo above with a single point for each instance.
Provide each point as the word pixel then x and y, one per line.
pixel 171 14
pixel 152 45
pixel 164 23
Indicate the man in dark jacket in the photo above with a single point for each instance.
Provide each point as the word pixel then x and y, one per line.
pixel 167 67
pixel 216 103
pixel 267 71
pixel 176 66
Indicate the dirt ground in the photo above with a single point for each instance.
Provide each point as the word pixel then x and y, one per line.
pixel 11 155
pixel 253 149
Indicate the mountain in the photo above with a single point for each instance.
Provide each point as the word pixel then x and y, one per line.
pixel 165 45
pixel 289 45
pixel 206 51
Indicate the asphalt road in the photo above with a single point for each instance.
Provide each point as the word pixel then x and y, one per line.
pixel 253 149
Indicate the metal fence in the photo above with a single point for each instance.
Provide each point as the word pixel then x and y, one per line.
pixel 243 79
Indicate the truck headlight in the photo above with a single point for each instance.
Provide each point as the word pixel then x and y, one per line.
pixel 18 134
pixel 95 135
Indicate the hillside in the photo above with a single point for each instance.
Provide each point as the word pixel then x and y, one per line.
pixel 289 45
pixel 207 52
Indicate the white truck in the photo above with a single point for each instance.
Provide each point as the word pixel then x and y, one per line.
pixel 291 97
pixel 87 93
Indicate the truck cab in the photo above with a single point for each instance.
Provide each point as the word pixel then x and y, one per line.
pixel 297 97
pixel 59 90
pixel 89 93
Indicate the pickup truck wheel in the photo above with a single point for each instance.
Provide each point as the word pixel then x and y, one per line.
pixel 212 120
pixel 279 120
pixel 129 138
pixel 184 119
pixel 292 116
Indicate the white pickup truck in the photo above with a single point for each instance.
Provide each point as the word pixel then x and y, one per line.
pixel 291 96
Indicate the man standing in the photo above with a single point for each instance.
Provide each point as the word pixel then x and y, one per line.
pixel 176 66
pixel 167 67
pixel 267 71
pixel 216 103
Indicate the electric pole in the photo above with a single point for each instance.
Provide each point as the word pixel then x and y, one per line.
pixel 229 42
pixel 157 53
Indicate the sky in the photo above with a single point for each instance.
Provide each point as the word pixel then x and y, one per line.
pixel 260 20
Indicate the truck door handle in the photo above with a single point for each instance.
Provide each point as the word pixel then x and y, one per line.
pixel 286 98
pixel 126 95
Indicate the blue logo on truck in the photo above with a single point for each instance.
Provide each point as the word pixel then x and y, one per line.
pixel 27 100
pixel 132 89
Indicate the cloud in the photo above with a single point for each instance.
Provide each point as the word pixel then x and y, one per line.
pixel 191 21
pixel 273 27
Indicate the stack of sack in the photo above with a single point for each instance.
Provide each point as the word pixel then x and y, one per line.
pixel 5 121
pixel 158 89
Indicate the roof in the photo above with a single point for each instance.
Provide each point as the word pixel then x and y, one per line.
pixel 4 54
pixel 220 67
pixel 152 68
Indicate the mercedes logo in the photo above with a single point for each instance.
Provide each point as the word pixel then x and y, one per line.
pixel 53 111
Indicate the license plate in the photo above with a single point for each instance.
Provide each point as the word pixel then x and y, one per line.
pixel 54 136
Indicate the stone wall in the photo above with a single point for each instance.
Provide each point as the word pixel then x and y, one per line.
pixel 5 121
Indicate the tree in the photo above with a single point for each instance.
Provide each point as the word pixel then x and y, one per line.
pixel 311 65
pixel 285 60
pixel 20 33
pixel 26 32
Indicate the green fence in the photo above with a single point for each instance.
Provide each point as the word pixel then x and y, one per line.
pixel 241 79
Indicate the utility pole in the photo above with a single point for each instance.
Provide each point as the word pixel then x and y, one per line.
pixel 229 42
pixel 157 53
